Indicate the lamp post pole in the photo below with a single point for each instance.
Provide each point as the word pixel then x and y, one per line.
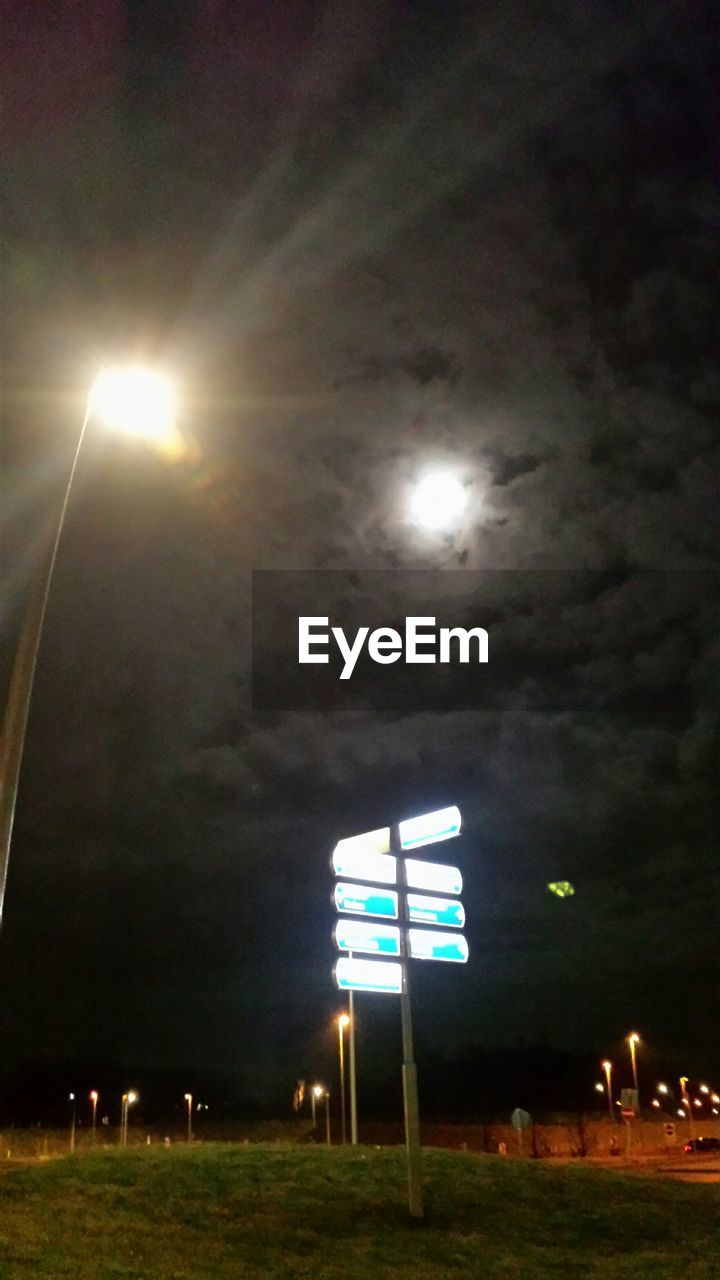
pixel 72 1123
pixel 409 1070
pixel 607 1068
pixel 353 1077
pixel 343 1021
pixel 14 727
pixel 327 1117
pixel 188 1099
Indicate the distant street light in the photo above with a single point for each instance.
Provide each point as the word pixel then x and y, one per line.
pixel 607 1068
pixel 138 402
pixel 94 1100
pixel 662 1088
pixel 715 1097
pixel 686 1104
pixel 188 1099
pixel 655 1102
pixel 127 1100
pixel 316 1093
pixel 704 1088
pixel 599 1087
pixel 343 1022
pixel 71 1099
pixel 633 1041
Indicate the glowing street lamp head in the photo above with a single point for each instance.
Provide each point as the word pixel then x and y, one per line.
pixel 704 1088
pixel 438 500
pixel 319 1090
pixel 633 1038
pixel 655 1102
pixel 94 1095
pixel 188 1097
pixel 662 1088
pixel 131 1097
pixel 606 1065
pixel 343 1020
pixel 599 1088
pixel 134 400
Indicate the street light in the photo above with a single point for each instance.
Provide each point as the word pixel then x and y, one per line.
pixel 633 1041
pixel 138 402
pixel 94 1100
pixel 327 1116
pixel 686 1104
pixel 599 1087
pixel 316 1093
pixel 343 1022
pixel 127 1101
pixel 662 1088
pixel 71 1098
pixel 188 1099
pixel 704 1088
pixel 607 1068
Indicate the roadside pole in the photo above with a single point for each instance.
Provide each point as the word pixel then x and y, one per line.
pixel 327 1118
pixel 409 1069
pixel 353 1079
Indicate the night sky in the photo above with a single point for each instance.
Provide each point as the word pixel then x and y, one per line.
pixel 367 240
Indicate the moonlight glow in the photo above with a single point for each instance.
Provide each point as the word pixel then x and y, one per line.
pixel 438 501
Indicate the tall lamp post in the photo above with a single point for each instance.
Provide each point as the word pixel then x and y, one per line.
pixel 316 1093
pixel 188 1100
pixel 607 1068
pixel 343 1022
pixel 127 1101
pixel 633 1041
pixel 94 1100
pixel 688 1107
pixel 327 1116
pixel 73 1114
pixel 135 401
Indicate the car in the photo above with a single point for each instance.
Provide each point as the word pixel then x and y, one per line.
pixel 701 1144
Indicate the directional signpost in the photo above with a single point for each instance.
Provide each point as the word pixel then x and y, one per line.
pixel 366 902
pixel 357 935
pixel 377 859
pixel 435 911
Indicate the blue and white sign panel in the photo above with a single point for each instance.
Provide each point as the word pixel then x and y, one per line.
pixel 429 828
pixel 378 939
pixel 369 975
pixel 443 911
pixel 361 864
pixel 427 944
pixel 361 901
pixel 434 876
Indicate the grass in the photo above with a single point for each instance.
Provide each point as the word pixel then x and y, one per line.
pixel 219 1212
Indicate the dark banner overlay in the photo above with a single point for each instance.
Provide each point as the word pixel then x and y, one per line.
pixel 412 641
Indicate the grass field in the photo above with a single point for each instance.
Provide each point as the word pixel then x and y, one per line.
pixel 281 1213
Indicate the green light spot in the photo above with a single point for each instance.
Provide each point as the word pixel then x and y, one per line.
pixel 561 888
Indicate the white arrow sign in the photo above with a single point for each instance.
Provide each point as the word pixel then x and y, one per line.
pixel 434 876
pixel 443 824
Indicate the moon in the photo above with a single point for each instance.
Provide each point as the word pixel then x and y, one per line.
pixel 438 500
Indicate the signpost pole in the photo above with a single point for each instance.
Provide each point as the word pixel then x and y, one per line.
pixel 353 1079
pixel 409 1070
